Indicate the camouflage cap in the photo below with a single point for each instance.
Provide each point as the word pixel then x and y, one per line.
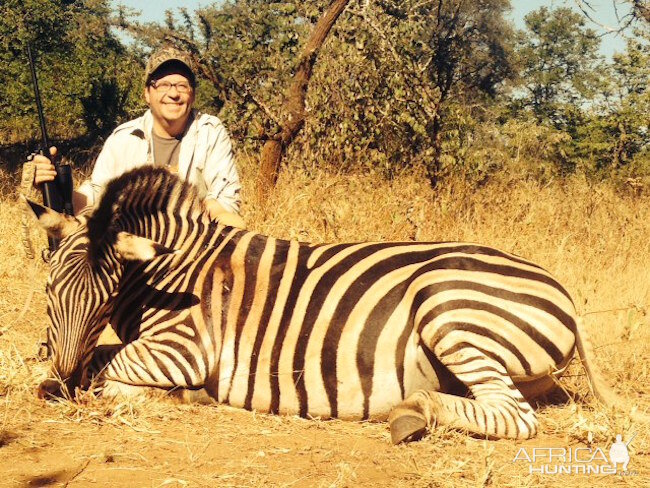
pixel 164 55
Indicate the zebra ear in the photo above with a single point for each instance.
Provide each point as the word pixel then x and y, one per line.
pixel 136 248
pixel 57 225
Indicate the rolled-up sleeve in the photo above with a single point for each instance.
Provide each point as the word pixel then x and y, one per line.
pixel 220 172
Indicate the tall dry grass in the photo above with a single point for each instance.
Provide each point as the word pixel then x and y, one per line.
pixel 592 236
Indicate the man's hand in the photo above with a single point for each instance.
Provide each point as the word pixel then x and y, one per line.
pixel 231 219
pixel 44 169
pixel 218 213
pixel 44 172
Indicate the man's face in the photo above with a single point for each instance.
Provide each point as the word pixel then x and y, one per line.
pixel 169 106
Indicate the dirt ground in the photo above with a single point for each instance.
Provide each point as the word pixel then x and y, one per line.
pixel 156 442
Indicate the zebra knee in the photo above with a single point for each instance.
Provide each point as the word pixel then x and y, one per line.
pixel 187 396
pixel 119 390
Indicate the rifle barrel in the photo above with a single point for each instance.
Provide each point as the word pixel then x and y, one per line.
pixel 39 106
pixel 52 195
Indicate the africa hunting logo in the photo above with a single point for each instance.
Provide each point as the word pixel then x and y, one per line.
pixel 577 460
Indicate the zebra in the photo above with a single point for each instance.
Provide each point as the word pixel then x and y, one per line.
pixel 419 334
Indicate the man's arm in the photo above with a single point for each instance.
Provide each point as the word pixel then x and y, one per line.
pixel 221 176
pixel 110 164
pixel 217 212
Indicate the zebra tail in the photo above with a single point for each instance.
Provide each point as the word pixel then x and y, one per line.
pixel 602 390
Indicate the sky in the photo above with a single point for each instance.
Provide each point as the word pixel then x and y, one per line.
pixel 604 13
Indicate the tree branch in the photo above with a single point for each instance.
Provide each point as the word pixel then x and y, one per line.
pixel 273 149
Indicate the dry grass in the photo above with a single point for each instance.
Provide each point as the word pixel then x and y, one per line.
pixel 594 239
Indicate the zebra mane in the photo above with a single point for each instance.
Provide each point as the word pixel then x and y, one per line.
pixel 133 198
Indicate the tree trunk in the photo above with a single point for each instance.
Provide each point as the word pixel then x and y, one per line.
pixel 275 148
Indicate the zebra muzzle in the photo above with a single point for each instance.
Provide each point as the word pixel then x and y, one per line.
pixel 52 388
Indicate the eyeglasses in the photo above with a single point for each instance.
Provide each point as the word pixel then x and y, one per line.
pixel 165 86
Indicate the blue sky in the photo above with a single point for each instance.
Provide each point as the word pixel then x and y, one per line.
pixel 154 11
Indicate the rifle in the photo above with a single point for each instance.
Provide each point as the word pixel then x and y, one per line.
pixel 57 194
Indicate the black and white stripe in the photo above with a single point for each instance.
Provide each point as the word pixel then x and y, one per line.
pixel 352 331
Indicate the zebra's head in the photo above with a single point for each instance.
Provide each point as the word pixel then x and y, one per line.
pixel 81 290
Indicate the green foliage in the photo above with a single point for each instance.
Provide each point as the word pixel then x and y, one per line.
pixel 39 23
pixel 598 110
pixel 85 74
pixel 382 88
pixel 629 109
pixel 559 63
pixel 445 85
pixel 392 79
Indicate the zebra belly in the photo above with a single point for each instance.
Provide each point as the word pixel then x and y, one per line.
pixel 309 393
pixel 422 371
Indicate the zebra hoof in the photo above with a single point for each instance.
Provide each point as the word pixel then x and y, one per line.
pixel 201 396
pixel 187 396
pixel 407 428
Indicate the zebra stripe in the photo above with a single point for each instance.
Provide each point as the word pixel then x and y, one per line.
pixel 354 331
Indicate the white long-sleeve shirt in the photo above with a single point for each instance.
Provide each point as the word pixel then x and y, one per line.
pixel 206 159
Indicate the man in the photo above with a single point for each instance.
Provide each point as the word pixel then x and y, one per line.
pixel 170 133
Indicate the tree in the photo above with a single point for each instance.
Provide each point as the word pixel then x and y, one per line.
pixel 617 131
pixel 599 110
pixel 390 74
pixel 632 11
pixel 248 50
pixel 41 24
pixel 641 9
pixel 84 72
pixel 406 73
pixel 559 63
pixel 275 147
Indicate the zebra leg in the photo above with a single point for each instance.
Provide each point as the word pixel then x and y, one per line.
pixel 102 356
pixel 116 389
pixel 498 409
pixel 103 361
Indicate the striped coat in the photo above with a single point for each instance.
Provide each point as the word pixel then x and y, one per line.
pixel 419 333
